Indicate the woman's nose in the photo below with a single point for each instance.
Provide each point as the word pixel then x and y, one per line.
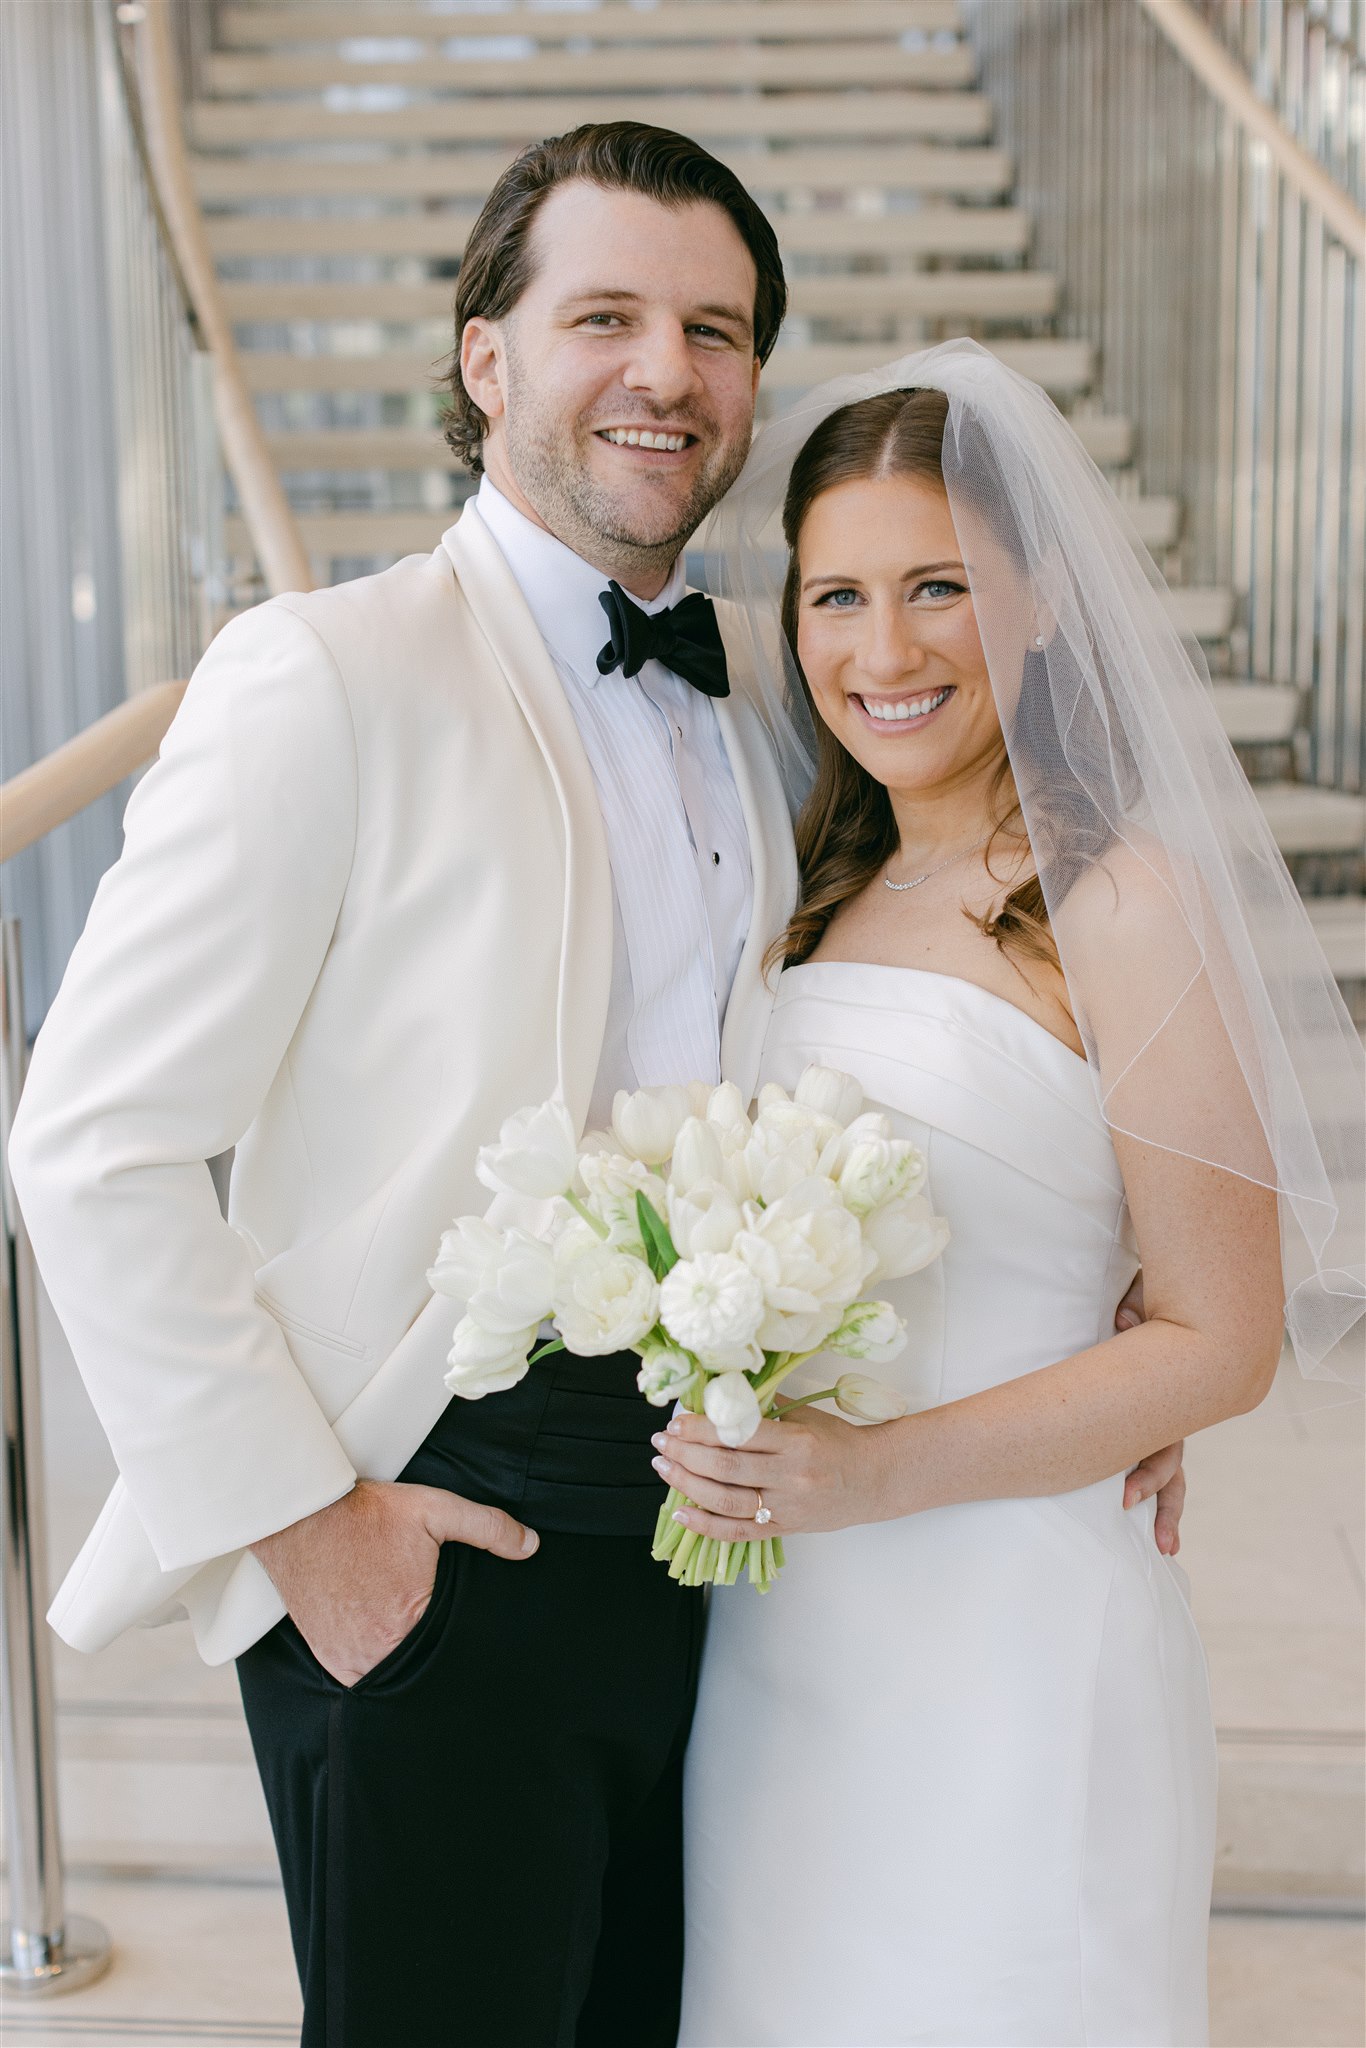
pixel 890 652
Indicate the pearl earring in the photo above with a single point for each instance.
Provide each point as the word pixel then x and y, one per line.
pixel 1038 639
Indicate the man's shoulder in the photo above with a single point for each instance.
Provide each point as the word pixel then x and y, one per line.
pixel 380 613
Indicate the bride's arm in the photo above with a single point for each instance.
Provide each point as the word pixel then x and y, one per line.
pixel 1208 1349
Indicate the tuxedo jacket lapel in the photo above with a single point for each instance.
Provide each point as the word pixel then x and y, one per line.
pixel 492 594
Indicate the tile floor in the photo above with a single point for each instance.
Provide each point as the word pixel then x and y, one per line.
pixel 168 1846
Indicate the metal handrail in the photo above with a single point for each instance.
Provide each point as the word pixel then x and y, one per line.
pixel 45 795
pixel 270 519
pixel 1230 85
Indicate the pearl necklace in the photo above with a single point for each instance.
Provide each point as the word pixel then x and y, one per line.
pixel 916 880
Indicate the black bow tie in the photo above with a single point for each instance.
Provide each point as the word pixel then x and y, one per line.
pixel 685 637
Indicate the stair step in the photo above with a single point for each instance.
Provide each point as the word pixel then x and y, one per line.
pixel 1309 820
pixel 1201 612
pixel 1289 1822
pixel 1340 925
pixel 960 116
pixel 928 231
pixel 914 295
pixel 422 448
pixel 1062 367
pixel 823 65
pixel 1157 520
pixel 469 173
pixel 175 1790
pixel 1257 714
pixel 353 536
pixel 257 26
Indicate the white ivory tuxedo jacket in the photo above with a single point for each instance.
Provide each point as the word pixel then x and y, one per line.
pixel 363 912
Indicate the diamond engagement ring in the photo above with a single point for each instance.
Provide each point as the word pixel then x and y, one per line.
pixel 761 1513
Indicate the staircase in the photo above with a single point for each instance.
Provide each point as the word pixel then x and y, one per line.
pixel 342 151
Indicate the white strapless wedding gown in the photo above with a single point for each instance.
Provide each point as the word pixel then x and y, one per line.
pixel 953 1780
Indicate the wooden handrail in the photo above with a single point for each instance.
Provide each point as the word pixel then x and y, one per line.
pixel 94 762
pixel 1229 83
pixel 270 521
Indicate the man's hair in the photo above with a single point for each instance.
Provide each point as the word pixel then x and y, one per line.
pixel 619 156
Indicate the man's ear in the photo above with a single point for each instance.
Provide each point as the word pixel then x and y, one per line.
pixel 481 366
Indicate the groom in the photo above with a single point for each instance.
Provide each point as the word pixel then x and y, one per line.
pixel 419 850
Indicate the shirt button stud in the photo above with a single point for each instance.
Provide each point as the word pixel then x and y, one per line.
pixel 716 860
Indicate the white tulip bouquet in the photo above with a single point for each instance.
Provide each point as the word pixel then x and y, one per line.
pixel 725 1249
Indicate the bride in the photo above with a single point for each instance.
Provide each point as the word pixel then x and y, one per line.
pixel 954 1781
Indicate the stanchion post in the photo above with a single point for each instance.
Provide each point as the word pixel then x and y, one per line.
pixel 42 1949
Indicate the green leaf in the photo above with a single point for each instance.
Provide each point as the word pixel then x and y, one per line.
pixel 546 1350
pixel 654 1233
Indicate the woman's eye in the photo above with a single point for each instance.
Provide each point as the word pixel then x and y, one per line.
pixel 834 600
pixel 939 588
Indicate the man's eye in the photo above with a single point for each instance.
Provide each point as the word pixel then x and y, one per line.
pixel 601 320
pixel 710 333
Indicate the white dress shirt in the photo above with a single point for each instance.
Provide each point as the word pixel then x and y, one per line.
pixel 681 881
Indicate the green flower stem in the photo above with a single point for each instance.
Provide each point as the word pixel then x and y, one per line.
pixel 769 1381
pixel 826 1394
pixel 594 1222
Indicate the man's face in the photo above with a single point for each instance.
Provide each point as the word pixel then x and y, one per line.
pixel 638 322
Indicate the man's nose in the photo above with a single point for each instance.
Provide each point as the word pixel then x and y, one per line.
pixel 663 364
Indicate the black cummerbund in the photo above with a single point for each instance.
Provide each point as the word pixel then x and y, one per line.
pixel 568 1448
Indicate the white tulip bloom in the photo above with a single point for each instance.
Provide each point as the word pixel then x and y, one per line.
pixel 867 1399
pixel 572 1239
pixel 733 1408
pixel 904 1236
pixel 771 1093
pixel 515 1291
pixel 871 1124
pixel 697 1155
pixel 646 1123
pixel 665 1373
pixel 705 1219
pixel 468 1250
pixel 869 1329
pixel 725 1108
pixel 808 1253
pixel 699 1096
pixel 712 1305
pixel 537 1154
pixel 830 1093
pixel 486 1362
pixel 881 1170
pixel 788 1145
pixel 605 1300
pixel 616 1177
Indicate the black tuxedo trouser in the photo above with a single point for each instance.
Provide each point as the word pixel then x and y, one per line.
pixel 481 1841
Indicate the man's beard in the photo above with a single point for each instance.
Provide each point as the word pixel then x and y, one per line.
pixel 549 460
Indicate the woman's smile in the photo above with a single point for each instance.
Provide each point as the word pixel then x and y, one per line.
pixel 892 715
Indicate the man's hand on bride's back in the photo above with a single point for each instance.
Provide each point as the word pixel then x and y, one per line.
pixel 1162 1473
pixel 357 1576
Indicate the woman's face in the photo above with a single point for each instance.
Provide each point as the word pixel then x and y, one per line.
pixel 887 635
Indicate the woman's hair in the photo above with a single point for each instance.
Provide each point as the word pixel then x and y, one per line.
pixel 619 156
pixel 846 830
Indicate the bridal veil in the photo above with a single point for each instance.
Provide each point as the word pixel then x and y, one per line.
pixel 1234 1046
